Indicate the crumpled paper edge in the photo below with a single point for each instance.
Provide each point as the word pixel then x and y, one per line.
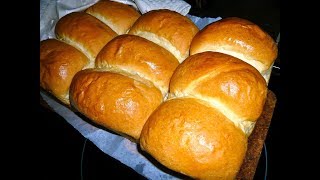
pixel 179 6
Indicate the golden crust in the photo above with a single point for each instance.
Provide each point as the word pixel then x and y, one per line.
pixel 84 32
pixel 114 101
pixel 118 16
pixel 59 62
pixel 196 140
pixel 223 79
pixel 240 38
pixel 139 56
pixel 172 26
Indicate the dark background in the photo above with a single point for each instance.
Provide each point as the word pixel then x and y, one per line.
pixel 65 150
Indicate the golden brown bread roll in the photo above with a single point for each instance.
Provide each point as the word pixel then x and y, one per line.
pixel 239 38
pixel 59 62
pixel 113 100
pixel 84 32
pixel 137 55
pixel 118 16
pixel 130 80
pixel 168 29
pixel 190 137
pixel 233 86
pixel 202 129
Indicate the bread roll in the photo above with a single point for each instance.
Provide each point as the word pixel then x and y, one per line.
pixel 239 38
pixel 59 62
pixel 227 83
pixel 168 29
pixel 118 16
pixel 202 129
pixel 131 79
pixel 136 55
pixel 84 32
pixel 113 100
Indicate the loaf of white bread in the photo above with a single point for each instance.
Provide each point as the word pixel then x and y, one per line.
pixel 122 70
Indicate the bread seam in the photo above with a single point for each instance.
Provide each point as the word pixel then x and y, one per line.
pixel 105 21
pixel 81 48
pixel 163 42
pixel 245 125
pixel 188 92
pixel 136 76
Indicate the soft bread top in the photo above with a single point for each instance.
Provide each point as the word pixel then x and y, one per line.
pixel 85 32
pixel 59 62
pixel 115 101
pixel 168 29
pixel 118 16
pixel 232 86
pixel 138 56
pixel 202 129
pixel 190 137
pixel 239 38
